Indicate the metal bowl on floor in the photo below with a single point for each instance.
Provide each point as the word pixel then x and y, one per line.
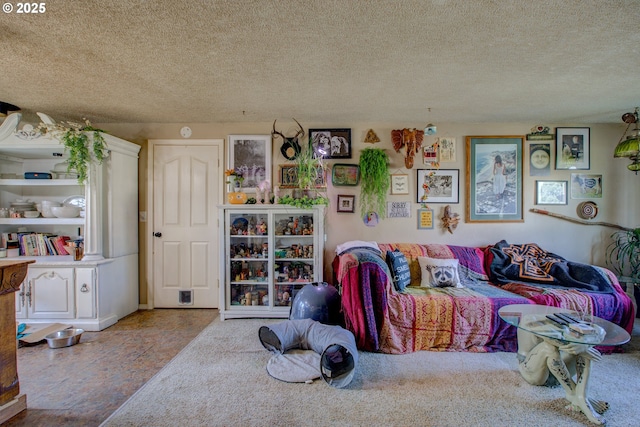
pixel 64 338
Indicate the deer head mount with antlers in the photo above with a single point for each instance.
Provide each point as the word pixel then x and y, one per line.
pixel 290 148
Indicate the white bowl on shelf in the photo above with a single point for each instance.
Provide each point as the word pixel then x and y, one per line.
pixel 31 214
pixel 65 211
pixel 45 208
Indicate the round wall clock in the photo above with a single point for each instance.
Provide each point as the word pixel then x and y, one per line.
pixel 185 132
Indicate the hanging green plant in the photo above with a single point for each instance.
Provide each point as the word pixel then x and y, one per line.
pixel 374 178
pixel 80 148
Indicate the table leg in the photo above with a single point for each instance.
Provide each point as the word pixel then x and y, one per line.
pixel 539 357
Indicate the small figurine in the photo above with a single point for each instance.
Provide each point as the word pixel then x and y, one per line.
pixel 262 228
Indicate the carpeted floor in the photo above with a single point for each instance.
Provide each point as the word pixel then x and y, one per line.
pixel 220 379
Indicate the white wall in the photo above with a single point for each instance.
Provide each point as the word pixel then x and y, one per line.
pixel 620 203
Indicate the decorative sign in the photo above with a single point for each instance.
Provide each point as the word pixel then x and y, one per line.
pixel 430 155
pixel 425 219
pixel 398 209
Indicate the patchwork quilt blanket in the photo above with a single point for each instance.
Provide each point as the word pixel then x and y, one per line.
pixel 456 319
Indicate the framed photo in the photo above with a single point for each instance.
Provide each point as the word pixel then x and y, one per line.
pixel 343 174
pixel 494 178
pixel 250 155
pixel 539 159
pixel 438 186
pixel 289 177
pixel 551 192
pixel 399 183
pixel 586 186
pixel 572 148
pixel 331 143
pixel 425 219
pixel 346 203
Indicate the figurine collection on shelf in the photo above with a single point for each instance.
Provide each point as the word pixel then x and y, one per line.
pixel 298 226
pixel 242 271
pixel 249 250
pixel 293 272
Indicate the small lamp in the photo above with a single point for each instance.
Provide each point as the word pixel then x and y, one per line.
pixel 630 146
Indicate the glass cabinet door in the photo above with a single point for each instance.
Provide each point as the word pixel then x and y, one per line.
pixel 294 255
pixel 248 259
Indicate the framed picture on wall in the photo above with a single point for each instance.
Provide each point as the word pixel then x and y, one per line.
pixel 425 219
pixel 346 203
pixel 399 183
pixel 551 193
pixel 250 155
pixel 345 175
pixel 586 186
pixel 438 186
pixel 572 148
pixel 331 143
pixel 494 178
pixel 289 177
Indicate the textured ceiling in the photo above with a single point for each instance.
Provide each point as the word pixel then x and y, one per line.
pixel 333 61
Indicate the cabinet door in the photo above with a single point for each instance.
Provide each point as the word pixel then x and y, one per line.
pixel 85 293
pixel 21 301
pixel 52 293
pixel 248 260
pixel 294 254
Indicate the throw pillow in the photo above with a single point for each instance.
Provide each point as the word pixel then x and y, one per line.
pixel 439 272
pixel 399 267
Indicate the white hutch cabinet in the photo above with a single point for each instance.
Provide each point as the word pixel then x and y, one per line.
pixel 101 288
pixel 269 253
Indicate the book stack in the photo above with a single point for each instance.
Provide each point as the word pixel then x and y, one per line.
pixel 37 244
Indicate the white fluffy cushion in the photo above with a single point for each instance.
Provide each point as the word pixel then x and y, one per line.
pixel 439 273
pixel 353 244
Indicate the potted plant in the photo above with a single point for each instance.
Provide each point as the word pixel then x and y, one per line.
pixel 83 143
pixel 374 178
pixel 623 254
pixel 310 168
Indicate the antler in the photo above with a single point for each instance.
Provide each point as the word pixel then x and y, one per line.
pixel 300 132
pixel 275 132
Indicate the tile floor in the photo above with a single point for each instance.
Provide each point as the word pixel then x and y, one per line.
pixel 83 384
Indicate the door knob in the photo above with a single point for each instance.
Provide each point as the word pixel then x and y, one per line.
pixel 157 234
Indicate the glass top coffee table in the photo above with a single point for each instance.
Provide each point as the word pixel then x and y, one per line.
pixel 549 342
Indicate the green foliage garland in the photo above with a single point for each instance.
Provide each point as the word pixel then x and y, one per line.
pixel 304 202
pixel 374 178
pixel 75 138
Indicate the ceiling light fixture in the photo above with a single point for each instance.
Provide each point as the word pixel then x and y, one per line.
pixel 630 147
pixel 430 129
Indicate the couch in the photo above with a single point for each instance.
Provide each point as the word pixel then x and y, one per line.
pixel 386 316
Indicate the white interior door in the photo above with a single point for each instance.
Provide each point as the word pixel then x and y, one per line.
pixel 185 228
